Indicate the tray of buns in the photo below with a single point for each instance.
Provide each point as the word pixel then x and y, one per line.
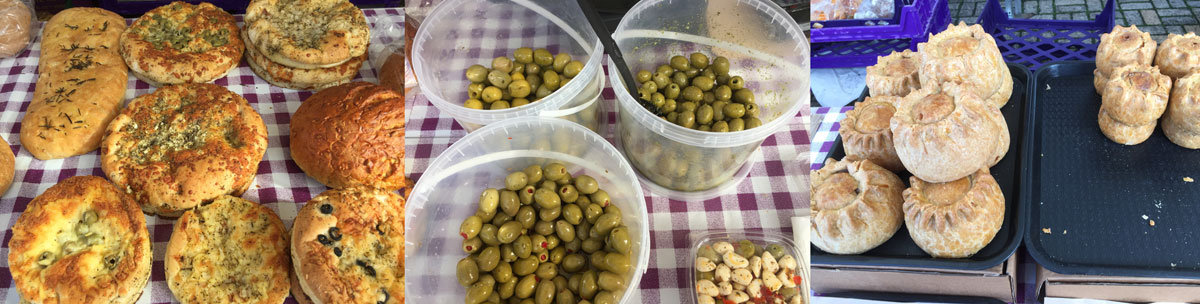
pixel 901 251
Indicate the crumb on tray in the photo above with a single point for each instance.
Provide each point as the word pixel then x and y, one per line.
pixel 1188 179
pixel 1151 223
pixel 1046 230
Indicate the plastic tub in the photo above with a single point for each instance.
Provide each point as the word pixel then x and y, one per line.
pixel 763 45
pixel 759 238
pixel 461 33
pixel 449 190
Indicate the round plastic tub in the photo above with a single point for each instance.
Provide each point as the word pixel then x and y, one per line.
pixel 461 33
pixel 448 193
pixel 763 45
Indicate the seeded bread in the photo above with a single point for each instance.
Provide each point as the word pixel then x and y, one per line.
pixel 348 247
pixel 307 34
pixel 230 251
pixel 351 135
pixel 182 43
pixel 182 145
pixel 80 86
pixel 302 79
pixel 81 241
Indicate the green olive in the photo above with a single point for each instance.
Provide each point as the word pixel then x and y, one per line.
pixel 549 214
pixel 539 243
pixel 671 91
pixel 542 92
pixel 721 79
pixel 669 106
pixel 734 110
pixel 519 88
pixel 705 276
pixel 546 198
pixel 776 250
pixel 600 197
pixel 691 73
pixel 649 86
pixel 565 230
pixel 487 234
pixel 525 286
pixel 704 114
pixel 488 258
pixel 663 68
pixel 692 93
pixel 543 227
pixel 606 223
pixel 560 284
pixel 477 73
pixel 708 252
pixel 736 83
pixel 585 184
pixel 752 122
pixel 606 297
pixel 551 80
pixel 572 69
pixel 525 196
pixel 480 291
pixel 491 94
pixel 573 283
pixel 501 218
pixel 610 281
pixel 564 296
pixel 743 96
pixel 515 181
pixel 475 90
pixel 509 232
pixel 543 57
pixel 526 216
pixel 680 62
pixel 489 200
pixel 533 173
pixel 737 124
pixel 523 55
pixel 557 254
pixel 593 212
pixel 617 263
pixel 503 272
pixel 547 271
pixel 709 73
pixel 709 97
pixel 547 184
pixel 507 254
pixel 568 193
pixel 751 110
pixel 680 78
pixel 525 266
pixel 643 76
pixel 522 247
pixel 573 262
pixel 545 292
pixel 467 271
pixel 473 104
pixel 704 128
pixel 686 107
pixel 509 203
pixel 533 70
pixel 470 227
pixel 619 239
pixel 502 64
pixel 687 119
pixel 720 65
pixel 661 80
pixel 587 285
pixel 572 215
pixel 582 231
pixel 554 172
pixel 518 70
pixel 472 245
pixel 575 245
pixel 499 79
pixel 705 83
pixel 592 245
pixel 699 60
pixel 746 248
pixel 719 110
pixel 723 93
pixel 506 290
pixel 500 105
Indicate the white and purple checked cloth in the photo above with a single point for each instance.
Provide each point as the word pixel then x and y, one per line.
pixel 764 201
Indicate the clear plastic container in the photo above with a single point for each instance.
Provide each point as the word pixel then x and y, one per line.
pixel 764 46
pixel 760 239
pixel 448 192
pixel 461 33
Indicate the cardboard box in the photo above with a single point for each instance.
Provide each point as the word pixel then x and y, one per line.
pixel 1124 289
pixel 998 282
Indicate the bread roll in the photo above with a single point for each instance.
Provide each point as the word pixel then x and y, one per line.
pixel 1134 98
pixel 1123 46
pixel 894 75
pixel 856 206
pixel 968 56
pixel 351 134
pixel 391 75
pixel 16 21
pixel 944 135
pixel 1179 55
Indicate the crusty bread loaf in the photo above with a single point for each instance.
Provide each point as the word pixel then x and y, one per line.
pixel 351 135
pixel 7 166
pixel 81 83
pixel 391 74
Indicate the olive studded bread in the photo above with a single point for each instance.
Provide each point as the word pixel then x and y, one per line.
pixel 80 86
pixel 182 43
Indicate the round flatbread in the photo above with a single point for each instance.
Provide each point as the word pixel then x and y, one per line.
pixel 183 145
pixel 230 251
pixel 81 241
pixel 302 79
pixel 307 34
pixel 182 43
pixel 348 247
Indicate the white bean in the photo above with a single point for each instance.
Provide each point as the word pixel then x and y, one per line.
pixel 742 276
pixel 755 288
pixel 756 265
pixel 786 276
pixel 707 288
pixel 723 273
pixel 773 283
pixel 735 261
pixel 739 297
pixel 788 262
pixel 704 264
pixel 769 263
pixel 722 247
pixel 707 300
pixel 726 288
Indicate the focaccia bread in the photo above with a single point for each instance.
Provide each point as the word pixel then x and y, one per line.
pixel 944 135
pixel 230 251
pixel 302 79
pixel 1123 46
pixel 80 86
pixel 183 145
pixel 866 133
pixel 954 219
pixel 1179 55
pixel 348 247
pixel 182 43
pixel 307 34
pixel 1136 96
pixel 968 56
pixel 8 162
pixel 1181 122
pixel 856 206
pixel 81 241
pixel 895 74
pixel 351 135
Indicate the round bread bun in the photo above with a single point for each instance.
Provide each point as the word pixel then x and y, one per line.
pixel 183 145
pixel 856 206
pixel 1179 55
pixel 81 241
pixel 1122 133
pixel 302 79
pixel 8 163
pixel 1120 47
pixel 895 74
pixel 348 246
pixel 297 291
pixel 954 219
pixel 182 43
pixel 1136 94
pixel 229 251
pixel 1181 122
pixel 307 34
pixel 391 74
pixel 944 135
pixel 966 55
pixel 351 135
pixel 16 20
pixel 866 134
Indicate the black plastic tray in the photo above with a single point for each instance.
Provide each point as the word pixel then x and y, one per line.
pixel 901 251
pixel 1097 197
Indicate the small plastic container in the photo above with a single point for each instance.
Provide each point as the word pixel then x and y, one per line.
pixel 763 45
pixel 448 192
pixel 461 33
pixel 759 238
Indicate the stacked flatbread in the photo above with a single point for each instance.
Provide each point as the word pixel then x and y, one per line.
pixel 305 44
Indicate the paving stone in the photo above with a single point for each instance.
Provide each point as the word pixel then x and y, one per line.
pixel 1071 9
pixel 1133 17
pixel 1177 3
pixel 1068 2
pixel 1154 29
pixel 1045 7
pixel 1062 16
pixel 1031 6
pixel 1193 3
pixel 1192 28
pixel 1042 17
pixel 1095 5
pixel 1161 4
pixel 1175 29
pixel 1135 5
pixel 1079 16
pixel 1173 12
pixel 1178 20
pixel 1150 17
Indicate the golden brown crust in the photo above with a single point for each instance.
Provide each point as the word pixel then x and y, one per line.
pixel 80 86
pixel 895 74
pixel 1120 47
pixel 7 166
pixel 182 145
pixel 1122 133
pixel 18 20
pixel 1133 100
pixel 1179 55
pixel 968 56
pixel 1181 122
pixel 866 134
pixel 182 43
pixel 302 79
pixel 391 74
pixel 348 246
pixel 351 134
pixel 93 238
pixel 307 34
pixel 855 206
pixel 944 135
pixel 230 251
pixel 954 219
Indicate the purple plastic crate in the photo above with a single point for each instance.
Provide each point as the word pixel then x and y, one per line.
pixel 853 43
pixel 138 7
pixel 1034 43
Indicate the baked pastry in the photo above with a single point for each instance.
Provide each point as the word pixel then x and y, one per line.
pixel 297 291
pixel 1181 122
pixel 1132 102
pixel 856 206
pixel 391 74
pixel 894 75
pixel 966 55
pixel 350 135
pixel 80 85
pixel 17 21
pixel 230 251
pixel 81 241
pixel 8 163
pixel 302 79
pixel 954 219
pixel 1178 55
pixel 307 34
pixel 866 133
pixel 182 43
pixel 348 246
pixel 943 134
pixel 1120 47
pixel 182 145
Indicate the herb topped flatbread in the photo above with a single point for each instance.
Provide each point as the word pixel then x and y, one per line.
pixel 182 43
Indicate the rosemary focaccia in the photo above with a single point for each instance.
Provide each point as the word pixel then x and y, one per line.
pixel 81 241
pixel 302 79
pixel 80 85
pixel 230 251
pixel 183 145
pixel 307 34
pixel 348 246
pixel 182 43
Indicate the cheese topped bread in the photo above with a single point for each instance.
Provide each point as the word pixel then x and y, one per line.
pixel 307 34
pixel 182 43
pixel 348 247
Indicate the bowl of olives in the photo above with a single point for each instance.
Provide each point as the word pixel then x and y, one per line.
pixel 538 209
